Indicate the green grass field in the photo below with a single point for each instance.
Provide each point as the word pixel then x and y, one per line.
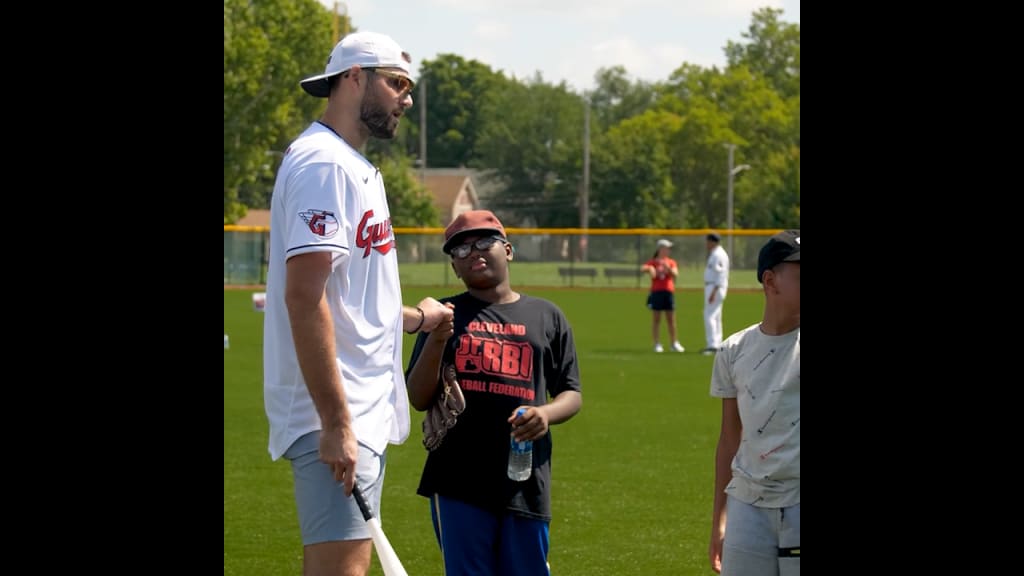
pixel 632 472
pixel 545 274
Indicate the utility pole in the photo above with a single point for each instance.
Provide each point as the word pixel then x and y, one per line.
pixel 585 184
pixel 423 131
pixel 732 174
pixel 339 23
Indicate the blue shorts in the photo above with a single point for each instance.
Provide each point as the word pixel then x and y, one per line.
pixel 325 513
pixel 661 300
pixel 475 542
pixel 762 541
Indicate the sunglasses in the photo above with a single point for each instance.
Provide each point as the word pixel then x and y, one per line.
pixel 481 244
pixel 398 83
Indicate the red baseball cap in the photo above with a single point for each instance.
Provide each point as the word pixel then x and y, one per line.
pixel 471 221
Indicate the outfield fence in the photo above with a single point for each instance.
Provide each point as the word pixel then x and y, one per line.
pixel 548 257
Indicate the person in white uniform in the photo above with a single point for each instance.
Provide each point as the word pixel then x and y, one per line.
pixel 334 388
pixel 716 286
pixel 755 526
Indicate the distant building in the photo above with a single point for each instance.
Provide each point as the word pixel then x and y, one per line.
pixel 453 189
pixel 255 218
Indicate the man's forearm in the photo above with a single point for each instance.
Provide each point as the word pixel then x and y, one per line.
pixel 313 334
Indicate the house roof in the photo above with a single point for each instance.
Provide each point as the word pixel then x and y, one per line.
pixel 255 217
pixel 454 191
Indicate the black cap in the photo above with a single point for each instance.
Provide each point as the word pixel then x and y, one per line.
pixel 783 247
pixel 713 237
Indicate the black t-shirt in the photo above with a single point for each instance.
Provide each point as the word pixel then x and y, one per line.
pixel 505 356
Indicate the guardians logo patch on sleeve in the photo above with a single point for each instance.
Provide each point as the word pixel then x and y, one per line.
pixel 321 222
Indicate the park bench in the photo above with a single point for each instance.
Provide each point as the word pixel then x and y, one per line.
pixel 610 273
pixel 570 272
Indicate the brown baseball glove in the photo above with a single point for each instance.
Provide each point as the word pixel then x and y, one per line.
pixel 442 414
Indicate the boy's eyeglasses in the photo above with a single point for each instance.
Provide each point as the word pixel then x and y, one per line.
pixel 481 244
pixel 399 83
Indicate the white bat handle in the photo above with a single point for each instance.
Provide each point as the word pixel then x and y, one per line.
pixel 389 561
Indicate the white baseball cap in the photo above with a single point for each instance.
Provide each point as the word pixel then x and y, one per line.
pixel 664 243
pixel 365 49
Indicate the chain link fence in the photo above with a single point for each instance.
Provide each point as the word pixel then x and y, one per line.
pixel 544 257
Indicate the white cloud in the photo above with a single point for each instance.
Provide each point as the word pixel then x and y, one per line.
pixel 610 9
pixel 642 62
pixel 566 39
pixel 603 10
pixel 492 30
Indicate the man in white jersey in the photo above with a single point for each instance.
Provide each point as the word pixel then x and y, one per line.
pixel 757 462
pixel 334 388
pixel 716 285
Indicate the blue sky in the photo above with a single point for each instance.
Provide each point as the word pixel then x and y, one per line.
pixel 566 39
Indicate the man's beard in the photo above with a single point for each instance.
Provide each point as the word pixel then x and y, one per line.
pixel 379 121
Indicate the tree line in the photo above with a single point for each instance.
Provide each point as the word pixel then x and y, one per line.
pixel 658 150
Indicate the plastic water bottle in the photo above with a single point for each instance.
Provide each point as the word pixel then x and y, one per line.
pixel 520 456
pixel 227 343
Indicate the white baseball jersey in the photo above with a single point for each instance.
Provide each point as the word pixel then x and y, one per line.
pixel 329 198
pixel 763 373
pixel 716 273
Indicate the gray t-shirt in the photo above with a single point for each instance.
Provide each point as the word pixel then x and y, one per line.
pixel 763 373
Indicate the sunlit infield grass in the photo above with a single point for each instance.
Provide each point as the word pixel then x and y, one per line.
pixel 632 472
